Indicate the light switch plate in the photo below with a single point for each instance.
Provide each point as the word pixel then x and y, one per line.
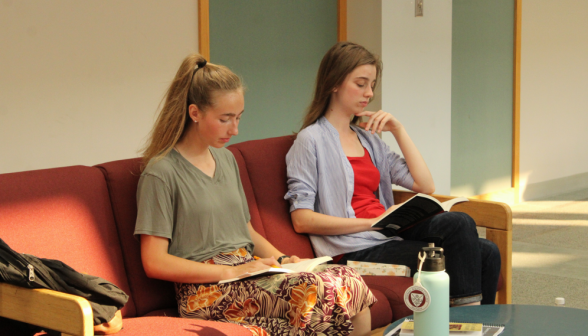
pixel 418 8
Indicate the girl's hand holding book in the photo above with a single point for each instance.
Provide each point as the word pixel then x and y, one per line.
pixel 377 219
pixel 288 260
pixel 253 266
pixel 271 261
pixel 292 260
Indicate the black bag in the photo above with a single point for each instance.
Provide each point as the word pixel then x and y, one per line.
pixel 26 270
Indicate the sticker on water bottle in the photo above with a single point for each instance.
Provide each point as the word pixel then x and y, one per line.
pixel 417 298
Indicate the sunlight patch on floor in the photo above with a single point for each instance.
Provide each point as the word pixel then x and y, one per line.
pixel 549 222
pixel 539 260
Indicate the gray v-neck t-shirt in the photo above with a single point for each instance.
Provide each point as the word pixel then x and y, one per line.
pixel 201 216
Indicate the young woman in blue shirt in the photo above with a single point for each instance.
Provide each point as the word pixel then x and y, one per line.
pixel 336 206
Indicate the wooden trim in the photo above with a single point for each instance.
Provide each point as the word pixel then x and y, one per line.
pixel 341 20
pixel 488 214
pixel 66 313
pixel 516 111
pixel 204 29
pixel 503 240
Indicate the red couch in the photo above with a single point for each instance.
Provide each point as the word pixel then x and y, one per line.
pixel 85 216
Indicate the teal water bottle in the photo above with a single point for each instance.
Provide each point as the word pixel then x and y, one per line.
pixel 430 318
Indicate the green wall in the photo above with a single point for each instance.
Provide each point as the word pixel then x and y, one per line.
pixel 276 47
pixel 482 96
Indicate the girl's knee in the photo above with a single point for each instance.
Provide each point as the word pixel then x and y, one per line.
pixel 463 218
pixel 489 250
pixel 459 220
pixel 312 278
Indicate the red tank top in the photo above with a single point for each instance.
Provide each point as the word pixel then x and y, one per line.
pixel 367 179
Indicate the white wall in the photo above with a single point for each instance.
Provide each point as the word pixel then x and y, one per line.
pixel 364 26
pixel 416 86
pixel 80 81
pixel 554 92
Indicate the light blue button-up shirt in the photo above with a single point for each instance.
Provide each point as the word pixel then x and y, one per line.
pixel 320 178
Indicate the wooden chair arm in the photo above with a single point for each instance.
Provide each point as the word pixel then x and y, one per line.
pixel 488 214
pixel 66 313
pixel 496 217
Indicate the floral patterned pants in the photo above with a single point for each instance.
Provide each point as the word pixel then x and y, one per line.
pixel 318 303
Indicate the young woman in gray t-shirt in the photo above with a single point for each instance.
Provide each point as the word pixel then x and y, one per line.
pixel 195 229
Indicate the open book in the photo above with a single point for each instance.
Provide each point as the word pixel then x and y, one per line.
pixel 416 209
pixel 303 266
pixel 406 328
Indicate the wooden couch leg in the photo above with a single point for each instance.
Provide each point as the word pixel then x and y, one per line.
pixel 503 239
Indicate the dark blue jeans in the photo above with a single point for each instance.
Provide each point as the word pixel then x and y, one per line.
pixel 473 263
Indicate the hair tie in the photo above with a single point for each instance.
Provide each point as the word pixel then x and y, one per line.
pixel 200 64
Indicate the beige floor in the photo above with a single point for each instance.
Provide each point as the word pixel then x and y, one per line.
pixel 550 258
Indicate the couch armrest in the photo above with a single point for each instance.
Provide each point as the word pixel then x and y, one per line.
pixel 496 217
pixel 66 313
pixel 393 288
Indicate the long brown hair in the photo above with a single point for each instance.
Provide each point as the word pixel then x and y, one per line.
pixel 337 63
pixel 195 83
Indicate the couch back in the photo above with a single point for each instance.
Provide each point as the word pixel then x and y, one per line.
pixel 85 217
pixel 65 214
pixel 262 166
pixel 122 178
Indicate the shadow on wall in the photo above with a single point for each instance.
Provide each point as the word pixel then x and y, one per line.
pixel 574 187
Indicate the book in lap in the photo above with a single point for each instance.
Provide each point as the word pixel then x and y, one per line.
pixel 303 266
pixel 416 209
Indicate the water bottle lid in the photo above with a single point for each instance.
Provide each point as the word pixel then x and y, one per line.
pixel 560 301
pixel 435 260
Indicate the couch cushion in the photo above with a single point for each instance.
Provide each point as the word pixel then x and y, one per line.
pixel 65 214
pixel 380 312
pixel 122 178
pixel 172 312
pixel 248 188
pixel 177 326
pixel 264 160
